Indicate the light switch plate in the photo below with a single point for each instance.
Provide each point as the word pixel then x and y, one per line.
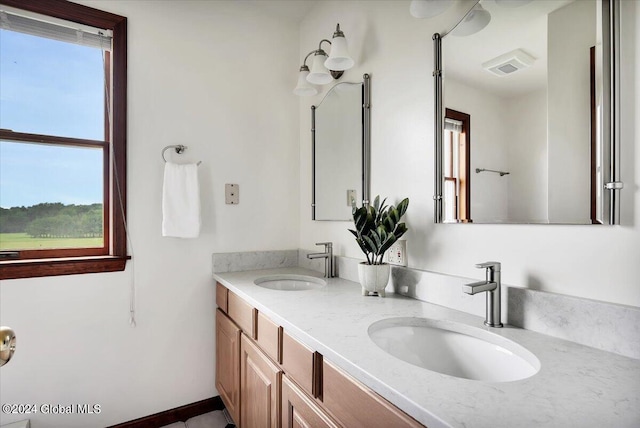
pixel 231 194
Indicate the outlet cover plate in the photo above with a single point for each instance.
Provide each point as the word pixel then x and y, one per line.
pixel 231 194
pixel 351 197
pixel 397 254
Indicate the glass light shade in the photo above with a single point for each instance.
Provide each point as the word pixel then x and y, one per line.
pixel 428 8
pixel 319 74
pixel 512 3
pixel 304 88
pixel 339 58
pixel 476 20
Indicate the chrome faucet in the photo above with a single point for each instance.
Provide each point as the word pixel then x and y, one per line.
pixel 327 255
pixel 491 285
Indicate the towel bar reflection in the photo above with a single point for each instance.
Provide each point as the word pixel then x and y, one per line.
pixel 179 150
pixel 479 170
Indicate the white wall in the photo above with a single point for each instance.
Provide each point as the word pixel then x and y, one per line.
pixel 597 262
pixel 489 148
pixel 196 77
pixel 569 109
pixel 528 166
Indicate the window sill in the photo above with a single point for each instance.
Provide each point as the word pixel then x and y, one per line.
pixel 33 268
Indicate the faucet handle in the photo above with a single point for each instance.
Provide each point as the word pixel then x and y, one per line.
pixel 495 266
pixel 326 244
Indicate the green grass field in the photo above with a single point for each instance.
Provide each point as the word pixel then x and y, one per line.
pixel 22 241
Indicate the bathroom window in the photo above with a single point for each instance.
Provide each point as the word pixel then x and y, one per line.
pixel 457 185
pixel 62 139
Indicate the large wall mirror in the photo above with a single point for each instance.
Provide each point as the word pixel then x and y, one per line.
pixel 526 117
pixel 340 126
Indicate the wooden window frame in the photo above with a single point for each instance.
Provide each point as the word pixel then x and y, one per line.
pixel 463 204
pixel 113 257
pixel 448 173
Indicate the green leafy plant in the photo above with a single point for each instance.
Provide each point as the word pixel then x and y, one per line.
pixel 377 227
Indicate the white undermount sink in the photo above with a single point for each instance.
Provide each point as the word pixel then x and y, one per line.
pixel 454 349
pixel 289 282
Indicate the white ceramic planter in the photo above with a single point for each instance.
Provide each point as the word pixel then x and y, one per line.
pixel 373 278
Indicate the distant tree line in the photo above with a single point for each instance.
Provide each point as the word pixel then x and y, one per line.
pixel 53 220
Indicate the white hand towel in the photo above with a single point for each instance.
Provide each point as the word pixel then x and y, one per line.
pixel 180 201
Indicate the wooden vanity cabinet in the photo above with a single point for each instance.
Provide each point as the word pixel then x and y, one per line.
pixel 354 405
pixel 300 411
pixel 268 379
pixel 228 363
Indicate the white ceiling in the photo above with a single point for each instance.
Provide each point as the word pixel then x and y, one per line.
pixel 524 27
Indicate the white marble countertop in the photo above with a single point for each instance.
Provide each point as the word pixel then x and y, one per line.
pixel 577 386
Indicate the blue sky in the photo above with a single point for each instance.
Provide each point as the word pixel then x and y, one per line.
pixel 55 88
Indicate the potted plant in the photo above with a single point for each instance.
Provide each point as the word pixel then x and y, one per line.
pixel 377 227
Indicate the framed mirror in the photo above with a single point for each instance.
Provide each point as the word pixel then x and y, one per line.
pixel 526 117
pixel 340 128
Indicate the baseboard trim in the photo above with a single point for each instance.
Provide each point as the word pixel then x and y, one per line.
pixel 179 414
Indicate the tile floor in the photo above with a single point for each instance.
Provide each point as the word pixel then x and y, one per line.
pixel 208 420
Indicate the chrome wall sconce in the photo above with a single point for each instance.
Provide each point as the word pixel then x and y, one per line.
pixel 324 68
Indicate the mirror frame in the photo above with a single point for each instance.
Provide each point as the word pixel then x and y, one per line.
pixel 366 144
pixel 610 116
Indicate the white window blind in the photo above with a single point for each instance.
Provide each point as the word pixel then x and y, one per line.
pixel 452 125
pixel 56 29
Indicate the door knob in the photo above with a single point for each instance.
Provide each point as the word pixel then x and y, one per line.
pixel 7 344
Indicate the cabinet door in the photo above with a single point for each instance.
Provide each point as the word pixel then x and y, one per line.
pixel 299 411
pixel 228 364
pixel 260 381
pixel 354 405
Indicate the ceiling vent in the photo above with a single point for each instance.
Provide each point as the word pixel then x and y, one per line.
pixel 509 63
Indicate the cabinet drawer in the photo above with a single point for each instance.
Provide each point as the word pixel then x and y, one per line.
pixel 242 314
pixel 221 297
pixel 354 405
pixel 298 410
pixel 269 337
pixel 299 363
